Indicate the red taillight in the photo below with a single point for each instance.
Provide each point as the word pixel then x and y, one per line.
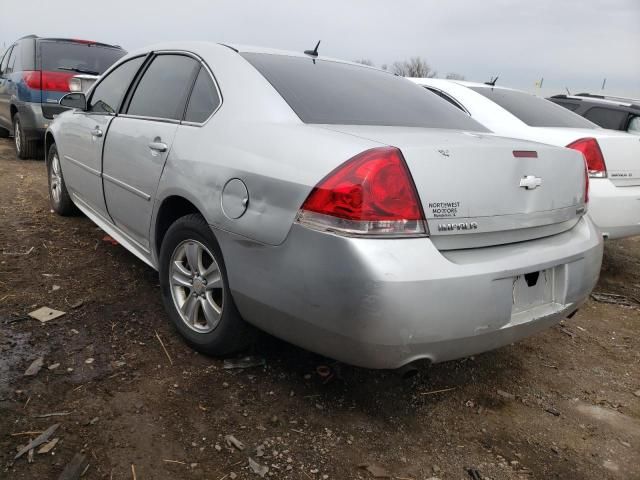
pixel 370 194
pixel 593 156
pixel 56 81
pixel 52 81
pixel 32 80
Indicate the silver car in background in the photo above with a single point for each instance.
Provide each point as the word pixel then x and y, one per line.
pixel 331 204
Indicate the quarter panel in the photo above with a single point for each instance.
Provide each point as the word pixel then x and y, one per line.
pixel 278 162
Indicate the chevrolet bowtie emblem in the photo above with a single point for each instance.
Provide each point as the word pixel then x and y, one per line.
pixel 530 182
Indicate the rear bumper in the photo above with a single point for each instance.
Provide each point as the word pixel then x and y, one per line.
pixel 614 210
pixel 384 303
pixel 34 124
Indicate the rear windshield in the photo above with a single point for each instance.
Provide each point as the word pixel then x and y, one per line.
pixel 532 110
pixel 327 92
pixel 78 57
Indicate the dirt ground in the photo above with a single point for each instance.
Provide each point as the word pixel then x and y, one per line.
pixel 564 404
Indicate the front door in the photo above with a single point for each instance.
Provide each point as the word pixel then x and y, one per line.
pixel 139 142
pixel 82 140
pixel 81 157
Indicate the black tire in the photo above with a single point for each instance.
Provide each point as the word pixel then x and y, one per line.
pixel 232 333
pixel 4 133
pixel 25 149
pixel 61 202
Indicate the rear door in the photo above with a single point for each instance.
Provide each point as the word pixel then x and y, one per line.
pixel 81 141
pixel 140 140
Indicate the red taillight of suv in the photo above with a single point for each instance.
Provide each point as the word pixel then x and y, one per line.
pixel 592 155
pixel 372 194
pixel 51 81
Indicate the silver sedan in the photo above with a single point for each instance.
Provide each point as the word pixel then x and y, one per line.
pixel 334 205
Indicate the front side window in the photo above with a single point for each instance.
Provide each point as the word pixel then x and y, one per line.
pixel 204 98
pixel 532 110
pixel 163 89
pixel 108 94
pixel 329 92
pixel 607 117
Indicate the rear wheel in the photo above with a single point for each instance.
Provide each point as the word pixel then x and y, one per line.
pixel 59 197
pixel 195 289
pixel 24 148
pixel 4 133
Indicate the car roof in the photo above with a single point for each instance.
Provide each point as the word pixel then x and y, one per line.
pixel 601 100
pixel 445 81
pixel 195 46
pixel 292 53
pixel 69 40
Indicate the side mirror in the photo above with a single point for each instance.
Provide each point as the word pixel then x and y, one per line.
pixel 74 100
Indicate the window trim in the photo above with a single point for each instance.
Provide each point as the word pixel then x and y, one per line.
pixel 145 66
pixel 10 70
pixel 445 94
pixel 6 56
pixel 105 75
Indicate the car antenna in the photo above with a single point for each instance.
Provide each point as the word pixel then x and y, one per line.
pixel 314 52
pixel 493 81
pixel 567 89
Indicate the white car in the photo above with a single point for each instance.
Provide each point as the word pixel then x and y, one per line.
pixel 613 158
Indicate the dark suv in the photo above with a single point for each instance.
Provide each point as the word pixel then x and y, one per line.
pixel 35 74
pixel 614 113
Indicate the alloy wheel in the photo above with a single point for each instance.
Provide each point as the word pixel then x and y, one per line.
pixel 55 179
pixel 196 285
pixel 17 135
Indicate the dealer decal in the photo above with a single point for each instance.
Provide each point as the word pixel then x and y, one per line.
pixel 444 209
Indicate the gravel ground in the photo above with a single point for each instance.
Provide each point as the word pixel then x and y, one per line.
pixel 564 404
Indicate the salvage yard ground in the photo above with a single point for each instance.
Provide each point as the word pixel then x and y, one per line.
pixel 136 402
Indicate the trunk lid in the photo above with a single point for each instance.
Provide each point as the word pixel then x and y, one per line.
pixel 621 151
pixel 475 192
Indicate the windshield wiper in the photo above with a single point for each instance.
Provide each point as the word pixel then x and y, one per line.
pixel 79 70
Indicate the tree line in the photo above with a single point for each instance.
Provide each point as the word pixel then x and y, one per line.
pixel 413 67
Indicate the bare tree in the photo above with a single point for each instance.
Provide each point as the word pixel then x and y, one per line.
pixel 454 76
pixel 414 67
pixel 365 61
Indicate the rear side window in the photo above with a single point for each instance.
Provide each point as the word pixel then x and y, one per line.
pixel 607 117
pixel 204 98
pixel 634 125
pixel 108 94
pixel 327 92
pixel 532 110
pixel 163 89
pixel 569 106
pixel 78 57
pixel 446 97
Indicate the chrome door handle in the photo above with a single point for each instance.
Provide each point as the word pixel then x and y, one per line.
pixel 158 146
pixel 96 132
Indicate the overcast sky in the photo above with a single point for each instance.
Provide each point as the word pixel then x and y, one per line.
pixel 571 43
